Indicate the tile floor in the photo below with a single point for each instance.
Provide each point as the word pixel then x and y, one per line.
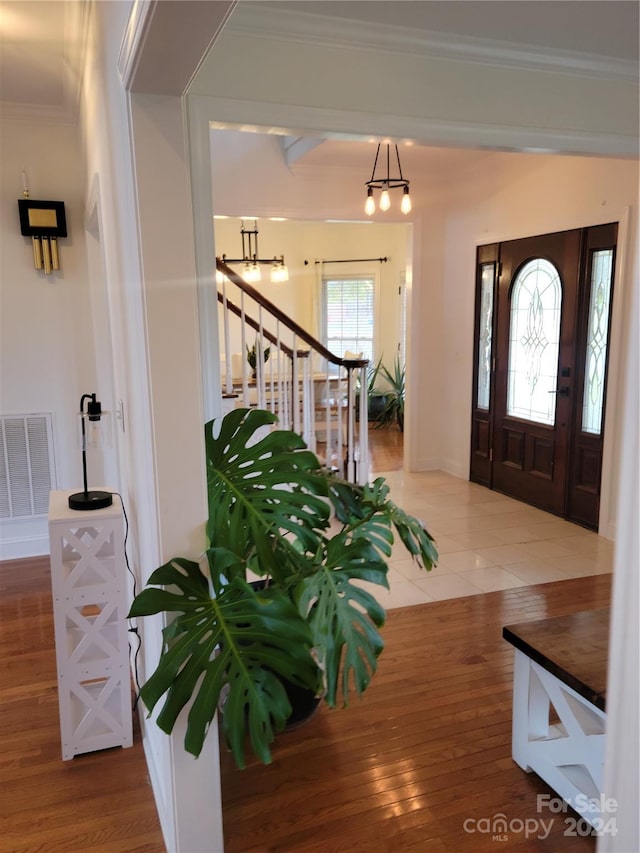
pixel 486 542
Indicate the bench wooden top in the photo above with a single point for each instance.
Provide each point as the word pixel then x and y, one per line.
pixel 574 648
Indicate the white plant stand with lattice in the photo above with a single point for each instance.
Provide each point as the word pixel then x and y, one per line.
pixel 89 584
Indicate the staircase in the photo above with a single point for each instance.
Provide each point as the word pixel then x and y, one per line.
pixel 311 390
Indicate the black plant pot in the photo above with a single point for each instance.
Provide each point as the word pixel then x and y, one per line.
pixel 376 405
pixel 304 702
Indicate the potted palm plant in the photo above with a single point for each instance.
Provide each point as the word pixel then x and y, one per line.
pixel 393 409
pixel 253 355
pixel 376 399
pixel 310 623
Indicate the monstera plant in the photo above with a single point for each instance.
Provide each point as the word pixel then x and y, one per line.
pixel 310 539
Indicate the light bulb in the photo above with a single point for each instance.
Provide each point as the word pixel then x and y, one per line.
pixel 252 273
pixel 405 204
pixel 385 201
pixel 279 273
pixel 93 433
pixel 370 204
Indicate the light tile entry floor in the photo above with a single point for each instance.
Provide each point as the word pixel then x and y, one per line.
pixel 486 542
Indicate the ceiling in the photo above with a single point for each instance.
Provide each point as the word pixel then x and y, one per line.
pixel 610 29
pixel 42 47
pixel 42 42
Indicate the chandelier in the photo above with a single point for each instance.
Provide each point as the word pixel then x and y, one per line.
pixel 252 260
pixel 386 184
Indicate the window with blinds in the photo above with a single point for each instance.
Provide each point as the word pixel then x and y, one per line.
pixel 348 314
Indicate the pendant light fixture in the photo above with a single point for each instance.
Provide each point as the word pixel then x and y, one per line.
pixel 386 184
pixel 251 260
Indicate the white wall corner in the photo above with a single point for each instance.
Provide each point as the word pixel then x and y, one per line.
pixel 21 538
pixel 427 463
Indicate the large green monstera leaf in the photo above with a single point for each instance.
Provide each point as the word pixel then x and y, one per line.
pixel 240 641
pixel 367 512
pixel 343 616
pixel 265 493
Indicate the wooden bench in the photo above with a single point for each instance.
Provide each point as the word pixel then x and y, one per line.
pixel 559 707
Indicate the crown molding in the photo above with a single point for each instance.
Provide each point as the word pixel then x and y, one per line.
pixel 262 22
pixel 65 114
pixel 76 27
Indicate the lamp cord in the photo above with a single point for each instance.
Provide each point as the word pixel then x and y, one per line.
pixel 134 629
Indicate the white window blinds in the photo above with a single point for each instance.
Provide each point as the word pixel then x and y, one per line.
pixel 348 314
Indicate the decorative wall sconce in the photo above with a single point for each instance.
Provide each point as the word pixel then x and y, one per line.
pixel 44 222
pixel 251 260
pixel 94 432
pixel 386 184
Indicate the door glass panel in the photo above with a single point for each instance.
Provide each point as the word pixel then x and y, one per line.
pixel 484 336
pixel 597 334
pixel 534 336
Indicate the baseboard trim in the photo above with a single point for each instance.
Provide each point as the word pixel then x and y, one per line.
pixel 429 463
pixel 455 468
pixel 16 548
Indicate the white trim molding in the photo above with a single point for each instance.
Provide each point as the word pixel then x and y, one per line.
pixel 133 39
pixel 286 119
pixel 262 21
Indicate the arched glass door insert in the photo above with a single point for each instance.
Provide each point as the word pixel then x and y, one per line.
pixel 534 338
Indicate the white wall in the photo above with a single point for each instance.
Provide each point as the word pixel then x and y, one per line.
pixel 171 303
pixel 46 340
pixel 622 758
pixel 110 187
pixel 525 195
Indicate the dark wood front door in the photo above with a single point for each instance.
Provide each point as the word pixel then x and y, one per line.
pixel 540 368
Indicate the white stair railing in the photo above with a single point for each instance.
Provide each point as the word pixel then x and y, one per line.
pixel 311 390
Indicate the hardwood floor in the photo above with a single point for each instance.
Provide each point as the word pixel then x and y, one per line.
pixel 427 748
pixel 386 448
pixel 100 801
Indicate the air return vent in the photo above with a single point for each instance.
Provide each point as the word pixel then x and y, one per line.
pixel 27 473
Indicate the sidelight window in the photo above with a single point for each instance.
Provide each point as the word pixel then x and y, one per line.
pixel 485 335
pixel 597 335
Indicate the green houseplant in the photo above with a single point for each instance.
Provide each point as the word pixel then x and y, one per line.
pixel 376 399
pixel 393 410
pixel 311 625
pixel 253 355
